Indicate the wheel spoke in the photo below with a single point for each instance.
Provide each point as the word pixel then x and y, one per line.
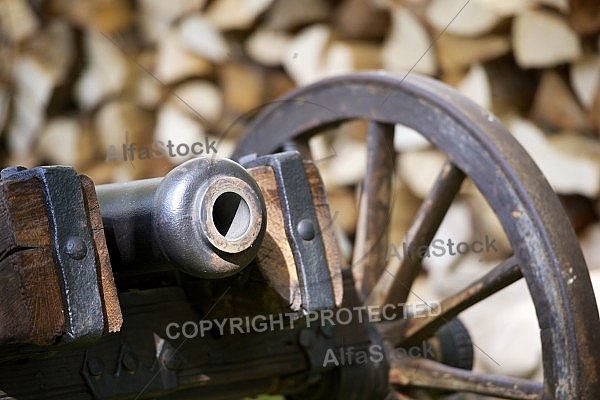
pixel 424 373
pixel 370 243
pixel 394 285
pixel 412 330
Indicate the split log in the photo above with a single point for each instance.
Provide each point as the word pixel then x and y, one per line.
pixel 449 272
pixel 585 78
pixel 585 16
pixel 475 19
pixel 407 45
pixel 199 99
pixel 199 36
pixel 476 86
pixel 334 165
pixel 156 17
pixel 356 56
pixel 555 106
pixel 456 52
pixel 566 173
pixel 292 15
pixel 419 170
pixel 577 146
pixel 104 75
pixel 359 19
pixel 543 39
pixel 36 74
pixel 243 88
pixel 407 139
pixel 17 20
pixel 486 222
pixel 593 113
pixel 177 126
pixel 77 147
pixel 508 8
pixel 146 89
pixel 170 11
pixel 589 245
pixel 497 336
pixel 174 62
pixel 513 89
pixel 54 49
pixel 302 59
pixel 235 14
pixel 121 121
pixel 267 47
pixel 108 17
pixel 278 84
pixel 343 205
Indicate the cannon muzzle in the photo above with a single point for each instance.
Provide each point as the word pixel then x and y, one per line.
pixel 206 217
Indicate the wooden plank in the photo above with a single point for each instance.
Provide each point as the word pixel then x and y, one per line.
pixel 275 257
pixel 31 308
pixel 113 319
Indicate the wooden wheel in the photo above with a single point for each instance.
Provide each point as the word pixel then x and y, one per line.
pixel 545 249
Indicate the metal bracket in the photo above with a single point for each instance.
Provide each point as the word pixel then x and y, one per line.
pixel 302 228
pixel 130 377
pixel 73 247
pixel 316 341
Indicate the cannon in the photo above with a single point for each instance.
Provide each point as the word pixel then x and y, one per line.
pixel 224 279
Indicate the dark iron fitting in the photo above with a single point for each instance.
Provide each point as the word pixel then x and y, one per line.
pixel 206 217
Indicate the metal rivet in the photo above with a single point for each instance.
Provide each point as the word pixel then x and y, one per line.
pixel 95 366
pixel 306 229
pixel 76 248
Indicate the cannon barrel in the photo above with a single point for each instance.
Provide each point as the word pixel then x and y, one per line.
pixel 206 217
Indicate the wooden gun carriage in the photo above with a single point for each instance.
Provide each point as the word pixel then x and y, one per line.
pixel 107 292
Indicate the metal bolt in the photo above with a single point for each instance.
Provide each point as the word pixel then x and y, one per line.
pixel 95 366
pixel 76 248
pixel 306 229
pixel 129 362
pixel 307 338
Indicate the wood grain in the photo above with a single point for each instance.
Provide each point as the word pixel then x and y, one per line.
pixel 113 319
pixel 275 257
pixel 32 309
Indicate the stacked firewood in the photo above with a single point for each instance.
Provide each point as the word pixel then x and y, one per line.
pixel 83 73
pixel 81 79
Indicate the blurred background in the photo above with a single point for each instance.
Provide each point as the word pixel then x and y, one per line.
pixel 77 77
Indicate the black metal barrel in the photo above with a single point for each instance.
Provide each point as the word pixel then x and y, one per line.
pixel 206 217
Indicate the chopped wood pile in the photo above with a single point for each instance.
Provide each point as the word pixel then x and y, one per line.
pixel 77 77
pixel 82 74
